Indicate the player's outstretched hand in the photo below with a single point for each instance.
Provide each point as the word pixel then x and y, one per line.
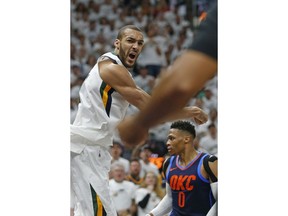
pixel 198 115
pixel 131 132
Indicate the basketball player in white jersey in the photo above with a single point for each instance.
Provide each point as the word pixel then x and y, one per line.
pixel 104 98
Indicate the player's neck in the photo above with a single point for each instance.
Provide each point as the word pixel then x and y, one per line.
pixel 187 157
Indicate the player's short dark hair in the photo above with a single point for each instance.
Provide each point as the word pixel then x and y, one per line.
pixel 122 30
pixel 184 126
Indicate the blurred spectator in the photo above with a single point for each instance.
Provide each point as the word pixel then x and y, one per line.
pixel 213 116
pixel 144 153
pixel 197 146
pixel 73 109
pixel 134 172
pixel 89 64
pixel 209 141
pixel 92 30
pixel 116 152
pixel 145 80
pixel 75 73
pixel 153 54
pixel 158 148
pixel 209 99
pixel 95 11
pixel 106 8
pixel 122 191
pixel 141 20
pixel 202 130
pixel 149 194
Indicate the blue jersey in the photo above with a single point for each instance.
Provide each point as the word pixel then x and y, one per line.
pixel 191 192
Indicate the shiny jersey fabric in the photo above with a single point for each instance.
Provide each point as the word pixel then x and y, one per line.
pixel 100 110
pixel 191 192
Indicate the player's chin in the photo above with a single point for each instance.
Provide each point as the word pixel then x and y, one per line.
pixel 171 152
pixel 130 65
pixel 130 62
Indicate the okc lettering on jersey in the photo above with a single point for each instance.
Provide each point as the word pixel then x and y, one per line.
pixel 182 182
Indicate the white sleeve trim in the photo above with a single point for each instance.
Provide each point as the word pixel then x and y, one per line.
pixel 214 188
pixel 213 210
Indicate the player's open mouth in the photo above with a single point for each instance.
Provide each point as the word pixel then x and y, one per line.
pixel 132 56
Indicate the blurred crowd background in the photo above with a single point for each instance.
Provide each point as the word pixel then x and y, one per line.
pixel 168 27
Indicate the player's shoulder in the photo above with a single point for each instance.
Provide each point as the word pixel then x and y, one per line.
pixel 108 64
pixel 210 161
pixel 166 163
pixel 111 69
pixel 209 158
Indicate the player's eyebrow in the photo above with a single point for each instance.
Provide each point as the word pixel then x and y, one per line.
pixel 132 38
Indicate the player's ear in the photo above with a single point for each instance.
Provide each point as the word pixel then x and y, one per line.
pixel 187 139
pixel 117 43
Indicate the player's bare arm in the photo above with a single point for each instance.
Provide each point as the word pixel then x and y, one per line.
pixel 175 90
pixel 214 168
pixel 118 77
pixel 193 113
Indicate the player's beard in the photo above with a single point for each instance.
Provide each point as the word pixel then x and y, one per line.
pixel 124 56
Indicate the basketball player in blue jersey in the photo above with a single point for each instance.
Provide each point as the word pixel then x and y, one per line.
pixel 191 176
pixel 104 99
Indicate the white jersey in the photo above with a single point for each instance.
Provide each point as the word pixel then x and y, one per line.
pixel 101 108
